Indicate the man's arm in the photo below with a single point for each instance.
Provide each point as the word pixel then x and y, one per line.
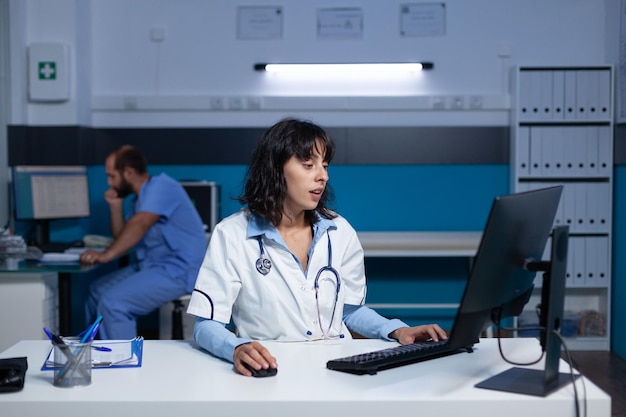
pixel 116 208
pixel 132 232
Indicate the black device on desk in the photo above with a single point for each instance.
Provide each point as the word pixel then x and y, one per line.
pixel 44 193
pixel 499 285
pixel 59 247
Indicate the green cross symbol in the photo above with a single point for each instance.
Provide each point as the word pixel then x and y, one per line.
pixel 47 70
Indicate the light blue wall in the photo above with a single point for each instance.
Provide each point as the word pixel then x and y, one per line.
pixel 372 198
pixel 411 197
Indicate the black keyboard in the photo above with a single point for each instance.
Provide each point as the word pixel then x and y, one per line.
pixel 55 247
pixel 372 362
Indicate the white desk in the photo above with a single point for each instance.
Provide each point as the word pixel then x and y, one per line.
pixel 420 244
pixel 178 379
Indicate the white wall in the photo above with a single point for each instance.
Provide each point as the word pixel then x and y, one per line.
pixel 138 82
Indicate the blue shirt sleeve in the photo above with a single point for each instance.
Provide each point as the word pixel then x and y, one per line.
pixel 369 323
pixel 214 337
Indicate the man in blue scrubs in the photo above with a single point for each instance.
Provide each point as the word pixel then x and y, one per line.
pixel 168 238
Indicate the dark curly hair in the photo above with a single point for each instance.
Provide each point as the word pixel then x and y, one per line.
pixel 266 188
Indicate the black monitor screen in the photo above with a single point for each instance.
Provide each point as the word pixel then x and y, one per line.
pixel 500 283
pixel 205 196
pixel 50 192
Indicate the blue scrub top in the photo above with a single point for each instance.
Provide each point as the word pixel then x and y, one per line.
pixel 177 241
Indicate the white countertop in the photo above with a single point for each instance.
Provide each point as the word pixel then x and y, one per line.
pixel 179 379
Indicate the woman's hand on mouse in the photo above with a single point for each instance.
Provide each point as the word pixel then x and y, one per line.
pixel 255 354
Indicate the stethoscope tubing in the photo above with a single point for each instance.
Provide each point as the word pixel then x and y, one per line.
pixel 264 265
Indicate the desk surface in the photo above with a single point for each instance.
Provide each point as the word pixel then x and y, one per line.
pixel 178 379
pixel 36 267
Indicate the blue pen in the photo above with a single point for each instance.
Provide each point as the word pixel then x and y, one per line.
pixel 89 334
pixel 102 348
pixel 94 332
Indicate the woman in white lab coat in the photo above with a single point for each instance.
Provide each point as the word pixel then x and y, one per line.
pixel 286 267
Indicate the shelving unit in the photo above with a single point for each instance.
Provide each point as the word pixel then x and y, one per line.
pixel 562 133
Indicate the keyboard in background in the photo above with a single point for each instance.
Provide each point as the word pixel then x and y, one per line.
pixel 378 360
pixel 55 247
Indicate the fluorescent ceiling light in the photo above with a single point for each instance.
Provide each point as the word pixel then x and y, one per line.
pixel 350 68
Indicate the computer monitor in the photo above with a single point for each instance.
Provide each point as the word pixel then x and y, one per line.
pixel 44 193
pixel 205 196
pixel 502 279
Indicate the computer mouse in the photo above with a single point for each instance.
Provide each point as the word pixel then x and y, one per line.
pixel 261 373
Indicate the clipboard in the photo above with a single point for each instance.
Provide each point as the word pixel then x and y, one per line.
pixel 122 354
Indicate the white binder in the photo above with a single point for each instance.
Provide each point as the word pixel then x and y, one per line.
pixel 582 109
pixel 570 95
pixel 597 261
pixel 523 151
pixel 605 163
pixel 545 95
pixel 525 95
pixel 579 138
pixel 604 95
pixel 593 110
pixel 568 201
pixel 570 166
pixel 591 153
pixel 580 207
pixel 558 95
pixel 536 157
pixel 579 259
pixel 603 197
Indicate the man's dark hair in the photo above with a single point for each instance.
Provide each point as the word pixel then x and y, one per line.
pixel 129 156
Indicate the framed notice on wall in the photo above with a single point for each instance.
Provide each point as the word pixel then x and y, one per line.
pixel 423 19
pixel 340 23
pixel 259 23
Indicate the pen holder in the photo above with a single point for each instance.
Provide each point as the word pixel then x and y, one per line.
pixel 72 364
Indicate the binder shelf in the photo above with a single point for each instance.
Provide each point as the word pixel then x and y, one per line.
pixel 562 133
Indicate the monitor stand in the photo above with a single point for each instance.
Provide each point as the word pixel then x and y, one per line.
pixel 43 239
pixel 533 381
pixel 43 233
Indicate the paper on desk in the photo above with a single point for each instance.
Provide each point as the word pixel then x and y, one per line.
pixel 83 249
pixel 53 257
pixel 123 354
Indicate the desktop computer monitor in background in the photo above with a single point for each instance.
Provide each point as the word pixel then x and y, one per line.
pixel 205 196
pixel 44 193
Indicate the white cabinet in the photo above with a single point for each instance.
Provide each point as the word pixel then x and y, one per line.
pixel 562 133
pixel 28 302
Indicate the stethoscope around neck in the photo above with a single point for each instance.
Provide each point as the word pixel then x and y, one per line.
pixel 264 265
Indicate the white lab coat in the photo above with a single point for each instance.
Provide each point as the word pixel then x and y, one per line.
pixel 280 305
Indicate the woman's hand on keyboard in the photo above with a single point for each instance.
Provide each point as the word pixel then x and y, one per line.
pixel 407 335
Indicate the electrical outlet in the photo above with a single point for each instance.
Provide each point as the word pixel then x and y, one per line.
pixel 476 102
pixel 130 103
pixel 458 103
pixel 255 103
pixel 235 103
pixel 439 103
pixel 218 103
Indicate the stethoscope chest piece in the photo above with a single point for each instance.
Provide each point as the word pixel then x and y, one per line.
pixel 263 265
